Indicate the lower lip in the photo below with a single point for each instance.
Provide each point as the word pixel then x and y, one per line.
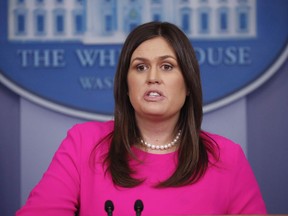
pixel 153 99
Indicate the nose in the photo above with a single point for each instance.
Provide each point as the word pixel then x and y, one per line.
pixel 153 76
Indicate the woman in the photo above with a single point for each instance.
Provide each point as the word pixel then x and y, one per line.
pixel 155 150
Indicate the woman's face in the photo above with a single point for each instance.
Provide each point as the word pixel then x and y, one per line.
pixel 156 86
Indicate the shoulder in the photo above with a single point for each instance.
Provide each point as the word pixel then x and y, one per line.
pixel 82 138
pixel 86 135
pixel 93 128
pixel 224 143
pixel 95 125
pixel 228 150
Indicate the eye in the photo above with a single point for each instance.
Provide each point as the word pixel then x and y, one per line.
pixel 141 67
pixel 166 67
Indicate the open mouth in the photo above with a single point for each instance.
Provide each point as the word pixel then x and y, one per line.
pixel 153 94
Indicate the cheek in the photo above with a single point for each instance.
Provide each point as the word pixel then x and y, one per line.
pixel 181 86
pixel 180 93
pixel 134 83
pixel 134 97
pixel 133 88
pixel 129 83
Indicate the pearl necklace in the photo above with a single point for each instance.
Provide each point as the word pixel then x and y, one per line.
pixel 162 147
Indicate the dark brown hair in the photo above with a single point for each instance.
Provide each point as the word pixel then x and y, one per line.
pixel 194 146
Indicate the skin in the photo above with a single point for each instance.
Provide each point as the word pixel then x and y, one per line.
pixel 157 90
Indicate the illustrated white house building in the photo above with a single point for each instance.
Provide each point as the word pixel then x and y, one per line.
pixel 109 21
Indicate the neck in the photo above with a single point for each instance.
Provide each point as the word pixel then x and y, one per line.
pixel 165 147
pixel 157 132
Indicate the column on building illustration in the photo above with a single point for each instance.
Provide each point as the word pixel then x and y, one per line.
pixel 20 21
pixel 156 9
pixel 223 19
pixel 183 15
pixel 132 15
pixel 79 18
pixel 40 22
pixel 59 21
pixel 78 22
pixel 91 12
pixel 100 20
pixel 186 19
pixel 243 17
pixel 108 17
pixel 204 19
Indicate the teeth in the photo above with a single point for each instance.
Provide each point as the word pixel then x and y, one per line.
pixel 154 94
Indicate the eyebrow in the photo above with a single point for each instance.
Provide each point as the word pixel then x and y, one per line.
pixel 161 57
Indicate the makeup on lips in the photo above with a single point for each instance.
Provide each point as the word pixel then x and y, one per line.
pixel 153 96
